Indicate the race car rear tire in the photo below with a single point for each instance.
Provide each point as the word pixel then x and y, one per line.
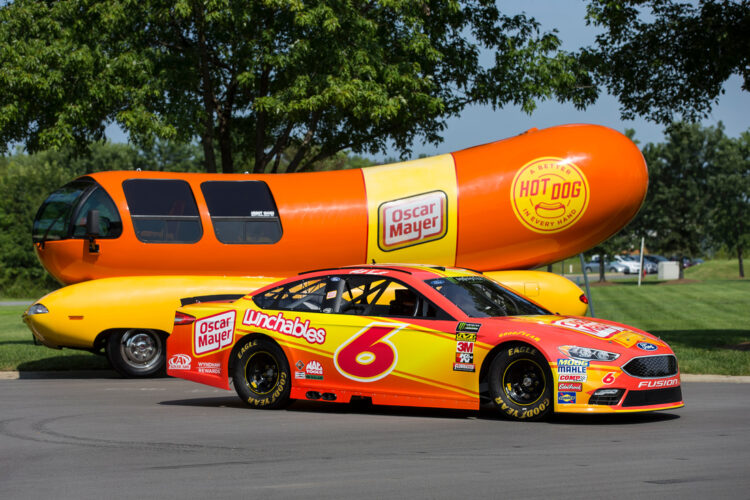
pixel 261 375
pixel 136 352
pixel 520 383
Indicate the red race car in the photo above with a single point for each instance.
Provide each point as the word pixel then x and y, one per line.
pixel 419 336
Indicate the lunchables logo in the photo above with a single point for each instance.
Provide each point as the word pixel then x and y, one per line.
pixel 549 195
pixel 287 326
pixel 412 221
pixel 214 332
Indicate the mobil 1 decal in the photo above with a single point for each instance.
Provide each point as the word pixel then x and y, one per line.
pixel 412 220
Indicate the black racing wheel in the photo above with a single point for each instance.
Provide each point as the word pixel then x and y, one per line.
pixel 261 374
pixel 520 383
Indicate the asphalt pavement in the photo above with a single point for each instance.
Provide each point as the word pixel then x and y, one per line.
pixel 104 437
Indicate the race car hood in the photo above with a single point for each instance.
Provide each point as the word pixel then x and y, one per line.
pixel 575 330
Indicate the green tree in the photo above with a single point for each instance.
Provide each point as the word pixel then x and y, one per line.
pixel 676 215
pixel 268 76
pixel 664 58
pixel 729 213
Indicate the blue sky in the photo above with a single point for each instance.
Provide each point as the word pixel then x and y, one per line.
pixel 480 124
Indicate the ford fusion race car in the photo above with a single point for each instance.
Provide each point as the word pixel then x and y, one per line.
pixel 419 336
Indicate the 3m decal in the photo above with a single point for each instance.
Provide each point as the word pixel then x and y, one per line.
pixel 462 346
pixel 566 398
pixel 214 333
pixel 412 221
pixel 646 346
pixel 570 386
pixel 590 327
pixel 572 370
pixel 368 355
pixel 549 195
pixel 179 362
pixel 466 337
pixel 468 327
pixel 287 326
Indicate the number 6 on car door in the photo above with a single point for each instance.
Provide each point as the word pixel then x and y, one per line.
pixel 368 355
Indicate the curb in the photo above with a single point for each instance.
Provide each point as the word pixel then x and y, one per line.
pixel 15 375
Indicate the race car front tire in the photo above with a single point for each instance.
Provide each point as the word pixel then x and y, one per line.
pixel 261 375
pixel 520 383
pixel 136 352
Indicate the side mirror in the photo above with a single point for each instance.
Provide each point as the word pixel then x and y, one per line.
pixel 92 229
pixel 92 224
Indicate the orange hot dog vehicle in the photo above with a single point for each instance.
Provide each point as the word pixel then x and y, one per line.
pixel 521 202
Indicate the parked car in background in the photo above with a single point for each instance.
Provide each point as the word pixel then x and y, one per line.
pixel 612 267
pixel 631 265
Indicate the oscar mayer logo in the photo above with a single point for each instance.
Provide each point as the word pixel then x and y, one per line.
pixel 412 221
pixel 549 195
pixel 214 333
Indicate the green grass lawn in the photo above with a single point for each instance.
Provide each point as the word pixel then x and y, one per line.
pixel 706 322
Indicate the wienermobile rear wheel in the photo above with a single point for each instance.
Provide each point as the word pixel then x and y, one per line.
pixel 136 353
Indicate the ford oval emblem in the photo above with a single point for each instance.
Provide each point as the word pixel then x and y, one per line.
pixel 645 346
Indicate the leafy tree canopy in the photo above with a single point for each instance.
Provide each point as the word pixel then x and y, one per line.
pixel 664 58
pixel 269 76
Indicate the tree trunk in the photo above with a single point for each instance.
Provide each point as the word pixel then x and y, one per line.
pixel 209 104
pixel 225 146
pixel 602 265
pixel 207 140
pixel 739 259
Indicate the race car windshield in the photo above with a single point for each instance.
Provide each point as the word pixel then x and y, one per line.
pixel 479 297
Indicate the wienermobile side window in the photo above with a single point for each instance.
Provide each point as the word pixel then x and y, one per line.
pixel 163 211
pixel 242 212
pixel 63 214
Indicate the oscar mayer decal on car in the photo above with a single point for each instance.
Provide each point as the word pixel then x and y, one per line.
pixel 549 195
pixel 287 326
pixel 214 333
pixel 368 355
pixel 412 221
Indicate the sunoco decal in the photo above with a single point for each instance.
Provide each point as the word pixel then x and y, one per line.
pixel 566 398
pixel 214 333
pixel 412 221
pixel 549 195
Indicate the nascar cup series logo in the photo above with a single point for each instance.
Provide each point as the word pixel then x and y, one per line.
pixel 549 195
pixel 412 221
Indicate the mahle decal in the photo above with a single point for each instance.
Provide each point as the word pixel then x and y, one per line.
pixel 549 195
